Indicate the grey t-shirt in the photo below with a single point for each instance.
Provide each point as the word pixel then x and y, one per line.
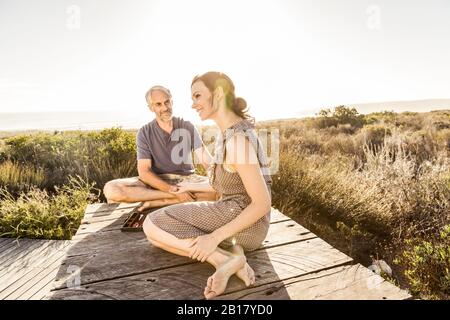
pixel 169 153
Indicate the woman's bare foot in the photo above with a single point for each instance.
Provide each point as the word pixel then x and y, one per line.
pixel 145 205
pixel 217 283
pixel 246 273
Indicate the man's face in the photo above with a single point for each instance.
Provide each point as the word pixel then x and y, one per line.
pixel 161 105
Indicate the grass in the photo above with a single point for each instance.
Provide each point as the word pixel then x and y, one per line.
pixel 372 191
pixel 427 265
pixel 17 178
pixel 96 156
pixel 36 214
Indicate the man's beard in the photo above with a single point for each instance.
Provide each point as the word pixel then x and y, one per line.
pixel 166 115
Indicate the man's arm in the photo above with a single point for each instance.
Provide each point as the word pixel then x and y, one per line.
pixel 150 178
pixel 144 165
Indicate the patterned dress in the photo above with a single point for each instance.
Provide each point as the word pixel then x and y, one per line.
pixel 189 220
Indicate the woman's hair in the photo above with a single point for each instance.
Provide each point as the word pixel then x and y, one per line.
pixel 213 80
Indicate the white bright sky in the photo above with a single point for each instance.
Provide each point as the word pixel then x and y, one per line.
pixel 286 57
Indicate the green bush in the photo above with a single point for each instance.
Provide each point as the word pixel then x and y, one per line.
pixel 17 178
pixel 95 156
pixel 340 115
pixel 426 265
pixel 383 117
pixel 409 121
pixel 385 192
pixel 375 134
pixel 36 214
pixel 106 155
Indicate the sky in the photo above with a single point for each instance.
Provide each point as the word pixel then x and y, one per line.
pixel 286 57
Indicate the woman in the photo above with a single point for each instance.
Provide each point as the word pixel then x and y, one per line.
pixel 219 232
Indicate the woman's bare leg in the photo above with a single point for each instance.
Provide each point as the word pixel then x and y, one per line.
pixel 217 259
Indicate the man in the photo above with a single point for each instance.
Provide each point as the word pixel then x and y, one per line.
pixel 164 146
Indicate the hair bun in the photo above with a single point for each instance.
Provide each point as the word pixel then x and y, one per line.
pixel 240 103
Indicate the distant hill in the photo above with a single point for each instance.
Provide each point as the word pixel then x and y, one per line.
pixel 11 123
pixel 441 107
pixel 401 106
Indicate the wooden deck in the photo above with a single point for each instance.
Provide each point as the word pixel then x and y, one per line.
pixel 28 267
pixel 103 262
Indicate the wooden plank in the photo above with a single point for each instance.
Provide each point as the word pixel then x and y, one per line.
pixel 115 254
pixel 340 283
pixel 11 246
pixel 107 221
pixel 31 254
pixel 33 287
pixel 42 293
pixel 22 267
pixel 5 241
pixel 103 210
pixel 26 256
pixel 276 216
pixel 99 209
pixel 285 232
pixel 122 265
pixel 103 226
pixel 270 265
pixel 111 241
pixel 20 250
pixel 8 244
pixel 110 217
pixel 89 243
pixel 31 275
pixel 106 216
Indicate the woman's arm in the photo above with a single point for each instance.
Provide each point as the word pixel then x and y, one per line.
pixel 242 156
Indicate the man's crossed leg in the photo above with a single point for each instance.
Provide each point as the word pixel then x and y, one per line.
pixel 134 190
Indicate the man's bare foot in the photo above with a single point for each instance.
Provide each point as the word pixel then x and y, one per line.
pixel 157 203
pixel 217 283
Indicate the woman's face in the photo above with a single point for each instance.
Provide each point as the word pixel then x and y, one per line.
pixel 202 100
